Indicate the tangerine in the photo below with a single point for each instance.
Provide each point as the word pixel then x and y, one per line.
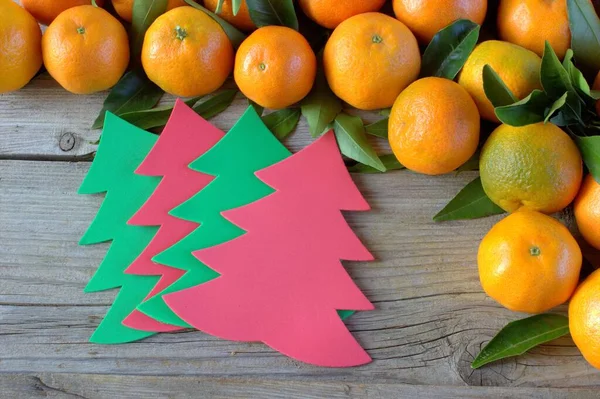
pixel 86 49
pixel 187 53
pixel 529 262
pixel 369 59
pixel 275 67
pixel 20 46
pixel 434 126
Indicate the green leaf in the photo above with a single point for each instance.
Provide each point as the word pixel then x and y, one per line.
pixel 351 138
pixel 449 49
pixel 471 165
pixel 568 60
pixel 273 12
pixel 235 6
pixel 144 14
pixel 470 203
pixel 158 117
pixel 379 128
pixel 385 112
pixel 573 108
pixel 216 104
pixel 590 151
pixel 389 161
pixel 561 119
pixel 282 122
pixel 585 33
pixel 134 92
pixel 235 36
pixel 555 79
pixel 558 104
pixel 259 109
pixel 595 94
pixel 152 118
pixel 521 335
pixel 529 110
pixel 495 89
pixel 321 106
pixel 219 6
pixel 577 79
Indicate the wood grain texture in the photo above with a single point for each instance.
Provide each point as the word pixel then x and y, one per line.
pixel 43 121
pixel 113 386
pixel 431 318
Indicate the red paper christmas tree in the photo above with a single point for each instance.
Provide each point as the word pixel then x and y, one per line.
pixel 186 137
pixel 282 282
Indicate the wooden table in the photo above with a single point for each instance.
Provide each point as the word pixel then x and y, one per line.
pixel 432 316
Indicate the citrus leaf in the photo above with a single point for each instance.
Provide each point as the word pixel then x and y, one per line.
pixel 520 336
pixel 389 161
pixel 571 112
pixel 235 36
pixel 471 165
pixel 321 106
pixel 582 89
pixel 216 104
pixel 595 94
pixel 529 110
pixel 470 203
pixel 577 79
pixel 585 33
pixel 259 109
pixel 144 14
pixel 134 92
pixel 379 128
pixel 235 6
pixel 282 122
pixel 449 49
pixel 351 137
pixel 152 118
pixel 568 58
pixel 554 76
pixel 273 12
pixel 558 104
pixel 385 112
pixel 590 152
pixel 495 89
pixel 573 108
pixel 219 6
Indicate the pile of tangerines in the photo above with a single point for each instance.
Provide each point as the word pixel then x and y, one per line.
pixel 528 262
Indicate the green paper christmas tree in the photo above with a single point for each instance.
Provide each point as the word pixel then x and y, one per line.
pixel 247 148
pixel 122 149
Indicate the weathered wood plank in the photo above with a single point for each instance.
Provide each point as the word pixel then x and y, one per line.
pixel 116 386
pixel 43 121
pixel 431 319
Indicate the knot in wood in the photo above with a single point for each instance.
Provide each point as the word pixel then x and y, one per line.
pixel 66 141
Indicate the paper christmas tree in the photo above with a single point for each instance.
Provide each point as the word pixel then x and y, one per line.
pixel 282 282
pixel 248 147
pixel 185 137
pixel 122 148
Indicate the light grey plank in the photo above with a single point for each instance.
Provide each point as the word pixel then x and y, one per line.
pixel 43 121
pixel 117 386
pixel 431 318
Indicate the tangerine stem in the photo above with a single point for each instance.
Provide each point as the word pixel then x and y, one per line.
pixel 81 30
pixel 377 39
pixel 535 251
